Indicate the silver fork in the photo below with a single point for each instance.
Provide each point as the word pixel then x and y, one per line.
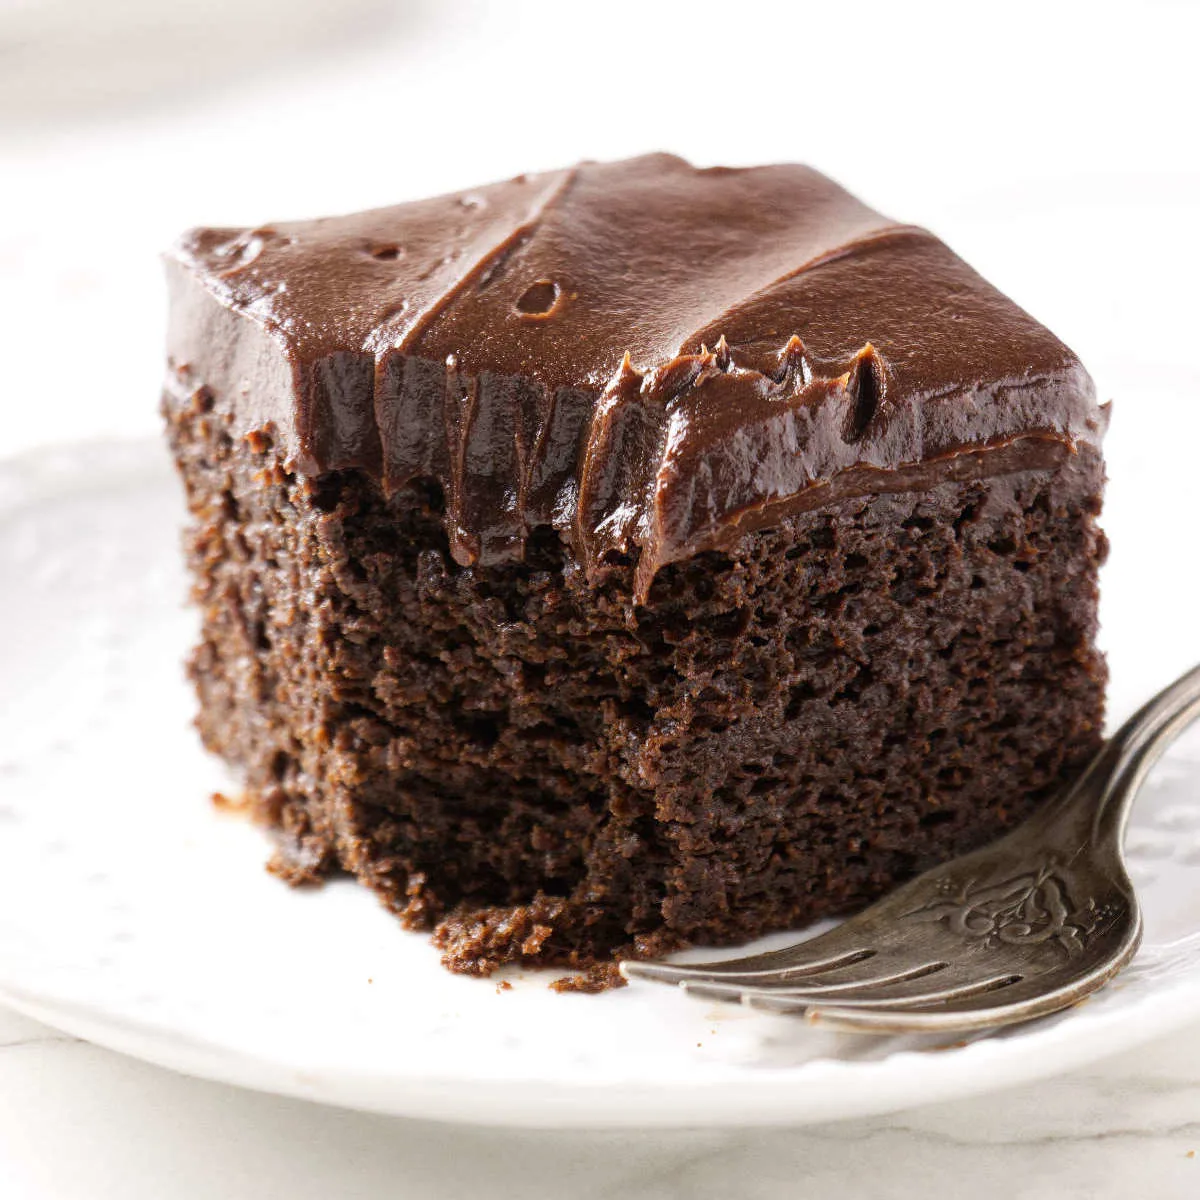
pixel 1026 926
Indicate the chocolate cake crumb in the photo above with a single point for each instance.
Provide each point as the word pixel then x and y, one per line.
pixel 599 977
pixel 477 942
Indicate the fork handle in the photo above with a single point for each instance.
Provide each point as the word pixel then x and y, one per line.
pixel 1112 780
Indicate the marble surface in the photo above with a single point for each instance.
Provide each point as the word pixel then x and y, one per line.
pixel 81 1123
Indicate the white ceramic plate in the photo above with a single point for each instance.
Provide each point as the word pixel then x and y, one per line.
pixel 134 914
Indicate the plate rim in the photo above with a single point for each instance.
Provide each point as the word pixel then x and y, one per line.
pixel 536 1102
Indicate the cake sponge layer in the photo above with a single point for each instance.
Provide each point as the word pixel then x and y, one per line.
pixel 544 769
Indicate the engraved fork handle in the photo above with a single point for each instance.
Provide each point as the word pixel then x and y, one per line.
pixel 1104 795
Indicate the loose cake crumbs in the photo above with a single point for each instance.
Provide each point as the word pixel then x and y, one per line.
pixel 232 804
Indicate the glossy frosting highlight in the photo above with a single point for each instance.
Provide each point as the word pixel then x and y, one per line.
pixel 651 358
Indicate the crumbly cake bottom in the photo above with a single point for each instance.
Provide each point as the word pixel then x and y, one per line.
pixel 541 771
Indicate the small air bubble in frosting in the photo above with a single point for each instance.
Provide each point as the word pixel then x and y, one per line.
pixel 539 299
pixel 385 251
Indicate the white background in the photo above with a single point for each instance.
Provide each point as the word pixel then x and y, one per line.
pixel 1055 145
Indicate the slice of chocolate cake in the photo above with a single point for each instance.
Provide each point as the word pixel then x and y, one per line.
pixel 630 556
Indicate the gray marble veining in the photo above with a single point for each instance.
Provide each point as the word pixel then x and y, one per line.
pixel 80 1122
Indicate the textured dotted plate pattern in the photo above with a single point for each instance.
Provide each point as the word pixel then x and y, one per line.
pixel 133 913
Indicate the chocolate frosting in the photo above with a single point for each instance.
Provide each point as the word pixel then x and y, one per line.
pixel 651 358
